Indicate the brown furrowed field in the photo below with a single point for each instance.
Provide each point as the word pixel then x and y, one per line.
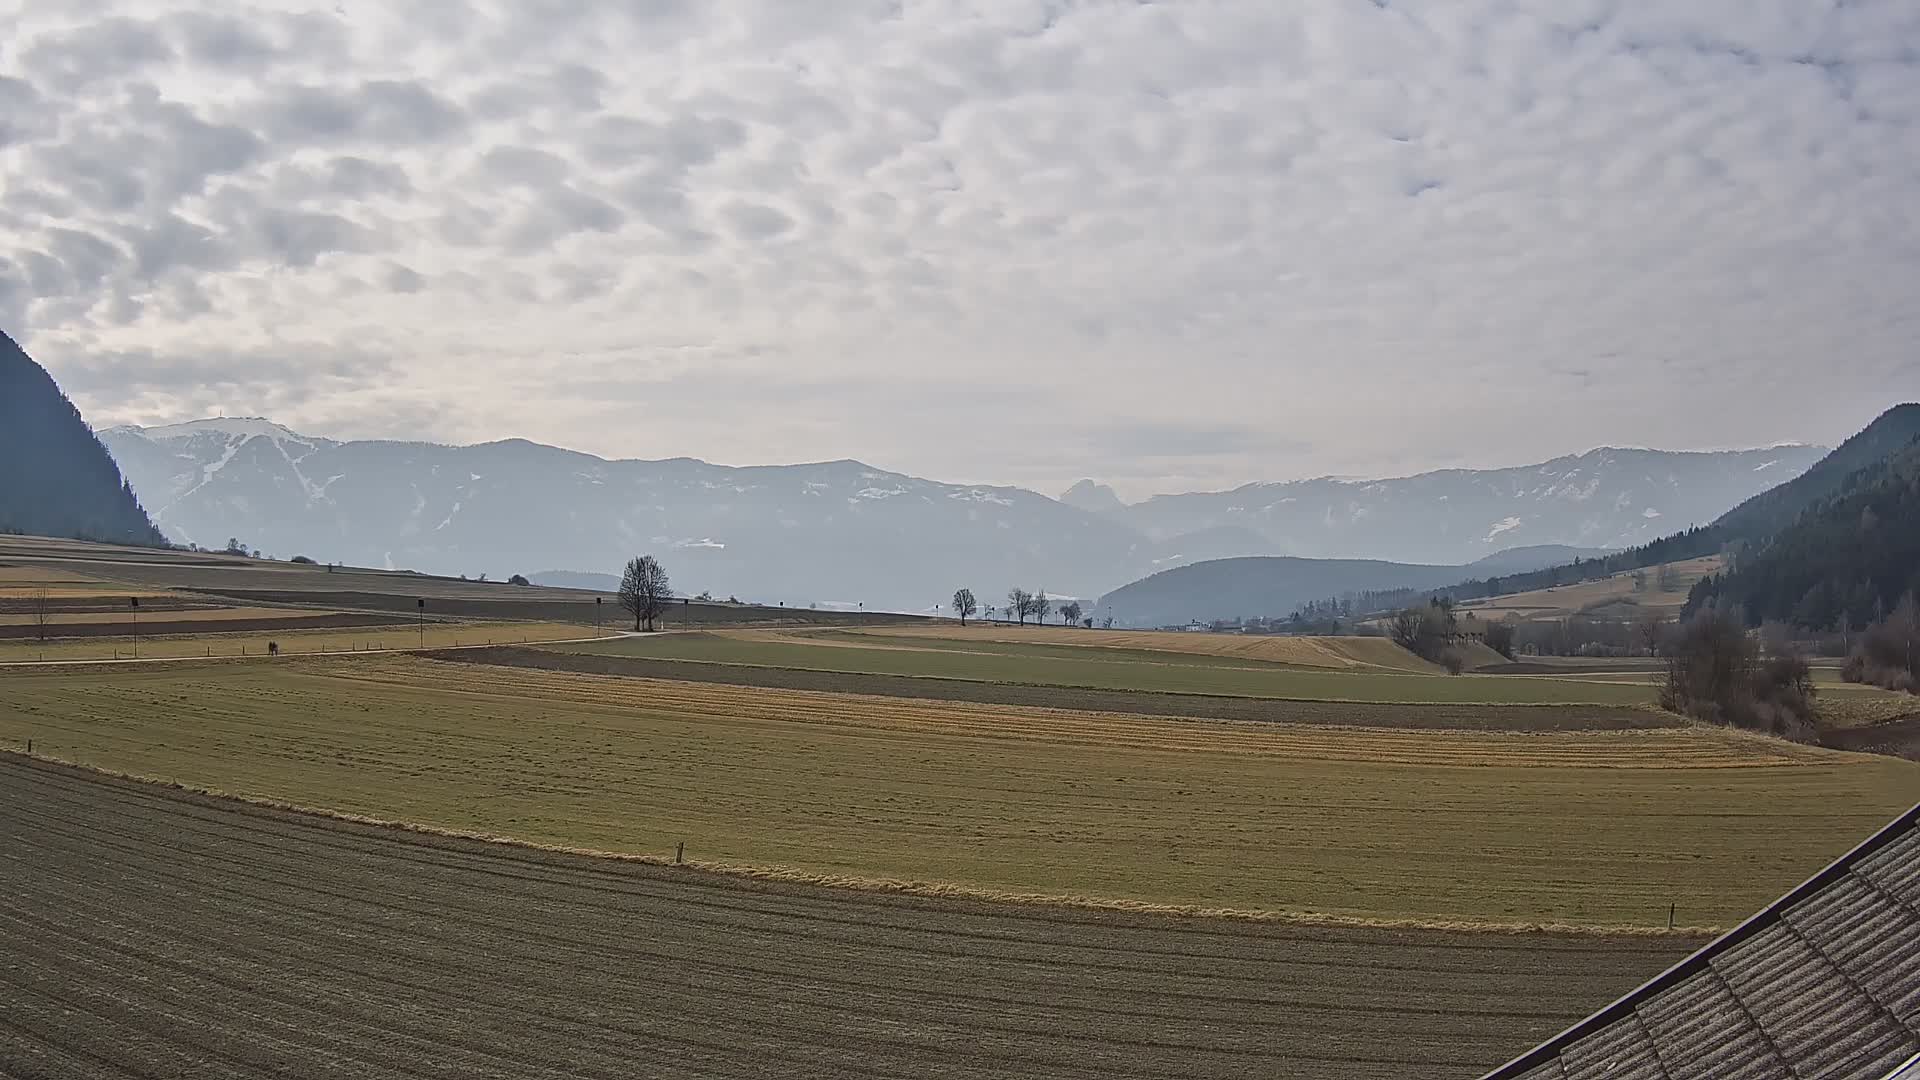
pixel 1591 828
pixel 318 633
pixel 152 932
pixel 1147 703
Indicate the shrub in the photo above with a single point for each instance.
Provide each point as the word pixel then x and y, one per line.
pixel 303 560
pixel 519 579
pixel 1714 674
pixel 1452 661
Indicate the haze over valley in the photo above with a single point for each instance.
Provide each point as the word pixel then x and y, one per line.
pixel 850 533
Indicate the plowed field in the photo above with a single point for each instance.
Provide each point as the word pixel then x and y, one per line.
pixel 155 933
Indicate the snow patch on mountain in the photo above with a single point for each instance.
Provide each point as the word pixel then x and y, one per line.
pixel 1503 525
pixel 233 427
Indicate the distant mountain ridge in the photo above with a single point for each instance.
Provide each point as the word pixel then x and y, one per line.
pixel 826 532
pixel 1605 498
pixel 56 479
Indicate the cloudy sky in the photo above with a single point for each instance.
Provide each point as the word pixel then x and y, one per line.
pixel 1168 245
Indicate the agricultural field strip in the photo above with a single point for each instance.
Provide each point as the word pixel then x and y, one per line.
pixel 122 618
pixel 892 806
pixel 396 636
pixel 1451 716
pixel 826 920
pixel 1311 652
pixel 1684 748
pixel 1276 682
pixel 924 642
pixel 605 978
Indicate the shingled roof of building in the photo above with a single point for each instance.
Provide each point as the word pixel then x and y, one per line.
pixel 1824 983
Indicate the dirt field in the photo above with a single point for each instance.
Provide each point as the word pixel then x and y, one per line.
pixel 1199 706
pixel 150 932
pixel 175 624
pixel 1590 828
pixel 1096 668
pixel 351 633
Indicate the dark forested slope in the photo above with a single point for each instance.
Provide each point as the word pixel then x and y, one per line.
pixel 1849 557
pixel 55 477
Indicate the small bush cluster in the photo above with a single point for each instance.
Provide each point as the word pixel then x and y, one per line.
pixel 1888 652
pixel 1715 674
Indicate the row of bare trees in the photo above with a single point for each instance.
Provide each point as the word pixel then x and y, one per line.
pixel 1021 605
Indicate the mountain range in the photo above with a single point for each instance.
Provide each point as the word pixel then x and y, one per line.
pixel 1606 498
pixel 845 532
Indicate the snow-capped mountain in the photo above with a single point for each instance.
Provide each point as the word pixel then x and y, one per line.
pixel 843 531
pixel 1607 498
pixel 827 532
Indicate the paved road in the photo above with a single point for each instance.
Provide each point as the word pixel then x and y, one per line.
pixel 150 932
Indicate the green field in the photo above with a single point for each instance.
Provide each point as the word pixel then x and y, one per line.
pixel 1111 669
pixel 1480 827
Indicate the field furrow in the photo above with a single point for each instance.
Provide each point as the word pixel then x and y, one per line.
pixel 171 921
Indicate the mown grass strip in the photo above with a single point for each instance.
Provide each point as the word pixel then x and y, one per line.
pixel 1499 828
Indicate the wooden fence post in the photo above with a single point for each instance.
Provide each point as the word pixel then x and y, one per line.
pixel 679 852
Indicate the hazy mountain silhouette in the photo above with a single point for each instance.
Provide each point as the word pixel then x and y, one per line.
pixel 845 531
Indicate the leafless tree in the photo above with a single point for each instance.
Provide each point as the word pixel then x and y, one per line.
pixel 644 591
pixel 1070 612
pixel 1408 629
pixel 1019 604
pixel 1041 606
pixel 964 605
pixel 1666 578
pixel 41 607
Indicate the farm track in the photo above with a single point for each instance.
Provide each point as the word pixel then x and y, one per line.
pixel 155 932
pixel 1136 702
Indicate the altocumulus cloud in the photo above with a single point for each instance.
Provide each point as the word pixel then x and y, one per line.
pixel 1173 244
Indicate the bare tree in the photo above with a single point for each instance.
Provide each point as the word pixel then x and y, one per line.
pixel 1666 578
pixel 1019 604
pixel 1070 612
pixel 644 590
pixel 41 606
pixel 964 604
pixel 1407 628
pixel 1651 630
pixel 1041 606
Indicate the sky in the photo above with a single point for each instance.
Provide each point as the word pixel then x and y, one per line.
pixel 1167 245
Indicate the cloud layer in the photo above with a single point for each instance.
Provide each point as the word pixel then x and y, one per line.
pixel 1164 244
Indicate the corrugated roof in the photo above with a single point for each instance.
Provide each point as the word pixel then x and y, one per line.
pixel 1824 983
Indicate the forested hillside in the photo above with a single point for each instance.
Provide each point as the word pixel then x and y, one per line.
pixel 55 477
pixel 1847 560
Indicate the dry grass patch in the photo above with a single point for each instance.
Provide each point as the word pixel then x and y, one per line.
pixel 1481 827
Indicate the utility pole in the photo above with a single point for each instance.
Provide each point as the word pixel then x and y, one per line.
pixel 133 616
pixel 422 602
pixel 597 601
